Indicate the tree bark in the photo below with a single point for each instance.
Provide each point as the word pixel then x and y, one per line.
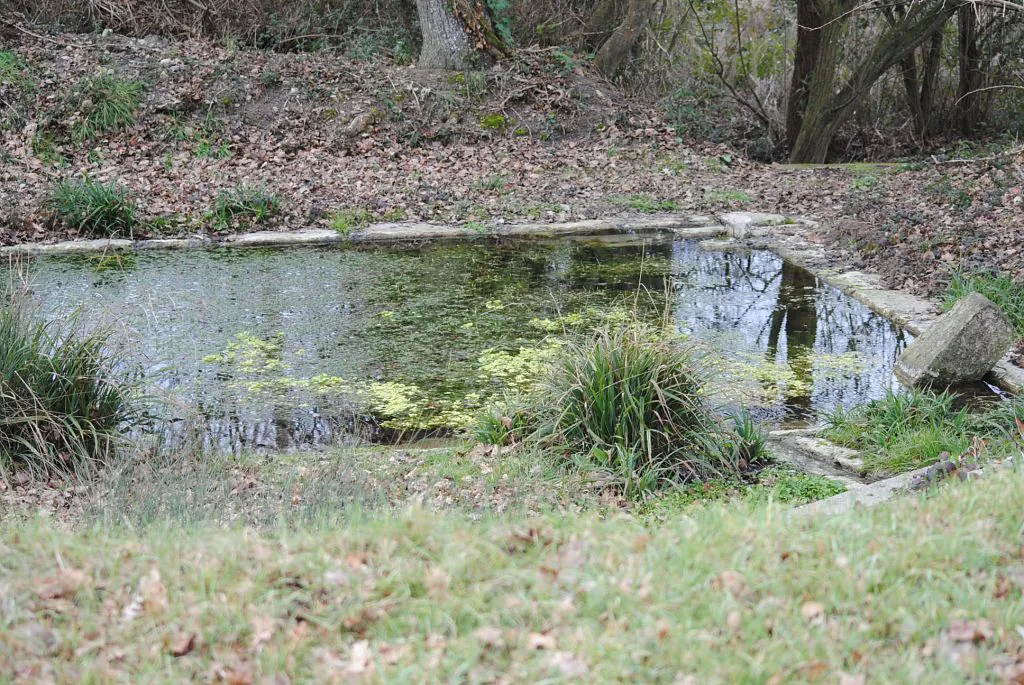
pixel 971 70
pixel 828 106
pixel 808 44
pixel 601 23
pixel 619 46
pixel 445 41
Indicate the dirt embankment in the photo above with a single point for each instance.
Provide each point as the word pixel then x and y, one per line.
pixel 537 138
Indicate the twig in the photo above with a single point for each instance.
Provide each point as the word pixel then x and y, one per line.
pixel 45 39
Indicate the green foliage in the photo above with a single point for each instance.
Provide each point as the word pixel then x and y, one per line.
pixel 105 105
pixel 1006 292
pixel 244 206
pixel 44 146
pixel 911 429
pixel 61 403
pixel 93 208
pixel 646 203
pixel 632 403
pixel 502 18
pixel 496 122
pixel 345 221
pixel 728 196
pixel 12 72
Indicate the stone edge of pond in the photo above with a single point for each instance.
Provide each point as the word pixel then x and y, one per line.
pixel 688 226
pixel 789 239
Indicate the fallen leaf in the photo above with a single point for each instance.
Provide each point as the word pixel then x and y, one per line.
pixel 181 643
pixel 852 678
pixel 360 658
pixel 970 631
pixel 65 583
pixel 489 636
pixel 153 592
pixel 734 621
pixel 262 630
pixel 812 611
pixel 732 581
pixel 569 665
pixel 540 641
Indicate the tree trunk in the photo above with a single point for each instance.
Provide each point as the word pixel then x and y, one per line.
pixel 619 46
pixel 828 106
pixel 445 41
pixel 971 70
pixel 808 44
pixel 457 33
pixel 601 24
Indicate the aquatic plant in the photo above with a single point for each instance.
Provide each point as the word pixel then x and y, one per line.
pixel 62 404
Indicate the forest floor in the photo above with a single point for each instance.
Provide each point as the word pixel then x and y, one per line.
pixel 343 141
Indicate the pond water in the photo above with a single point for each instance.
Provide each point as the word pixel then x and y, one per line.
pixel 293 347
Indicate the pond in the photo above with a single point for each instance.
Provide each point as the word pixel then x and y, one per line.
pixel 293 347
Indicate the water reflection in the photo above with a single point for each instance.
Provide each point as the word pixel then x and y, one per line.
pixel 266 346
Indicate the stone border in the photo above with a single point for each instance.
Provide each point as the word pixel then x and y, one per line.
pixel 689 226
pixel 786 236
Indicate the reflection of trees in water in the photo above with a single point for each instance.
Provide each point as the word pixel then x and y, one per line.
pixel 797 310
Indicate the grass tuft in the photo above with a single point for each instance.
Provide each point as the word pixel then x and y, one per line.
pixel 345 221
pixel 105 105
pixel 632 403
pixel 61 403
pixel 646 204
pixel 1007 293
pixel 910 429
pixel 93 208
pixel 245 206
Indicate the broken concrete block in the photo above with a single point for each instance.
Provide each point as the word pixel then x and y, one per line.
pixel 960 347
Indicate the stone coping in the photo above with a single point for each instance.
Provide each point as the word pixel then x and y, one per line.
pixel 786 236
pixel 691 226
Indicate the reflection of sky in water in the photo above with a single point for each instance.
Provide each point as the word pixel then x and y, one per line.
pixel 425 316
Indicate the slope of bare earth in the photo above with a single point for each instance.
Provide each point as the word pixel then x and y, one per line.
pixel 538 138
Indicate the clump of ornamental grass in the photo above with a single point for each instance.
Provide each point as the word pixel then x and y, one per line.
pixel 62 404
pixel 632 403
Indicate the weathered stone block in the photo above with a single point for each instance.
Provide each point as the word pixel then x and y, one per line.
pixel 960 347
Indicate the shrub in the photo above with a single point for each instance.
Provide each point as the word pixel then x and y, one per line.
pixel 93 208
pixel 106 105
pixel 61 403
pixel 244 206
pixel 634 404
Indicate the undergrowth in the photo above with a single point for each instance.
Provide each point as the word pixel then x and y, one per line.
pixel 244 206
pixel 62 404
pixel 911 429
pixel 1006 292
pixel 105 105
pixel 93 208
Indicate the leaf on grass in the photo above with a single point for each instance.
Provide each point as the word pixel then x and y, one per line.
pixel 541 641
pixel 813 612
pixel 65 583
pixel 489 636
pixel 569 665
pixel 262 630
pixel 181 643
pixel 153 592
pixel 970 631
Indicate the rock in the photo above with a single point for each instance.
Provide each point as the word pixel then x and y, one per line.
pixel 960 347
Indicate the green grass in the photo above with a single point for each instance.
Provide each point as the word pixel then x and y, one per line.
pixel 632 404
pixel 105 105
pixel 12 72
pixel 923 590
pixel 62 405
pixel 729 196
pixel 646 203
pixel 1006 292
pixel 244 206
pixel 346 221
pixel 911 429
pixel 93 208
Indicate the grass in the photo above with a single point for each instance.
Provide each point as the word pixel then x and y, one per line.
pixel 1006 292
pixel 728 196
pixel 105 105
pixel 244 206
pixel 62 404
pixel 912 429
pixel 93 208
pixel 923 590
pixel 346 221
pixel 12 72
pixel 646 203
pixel 632 404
